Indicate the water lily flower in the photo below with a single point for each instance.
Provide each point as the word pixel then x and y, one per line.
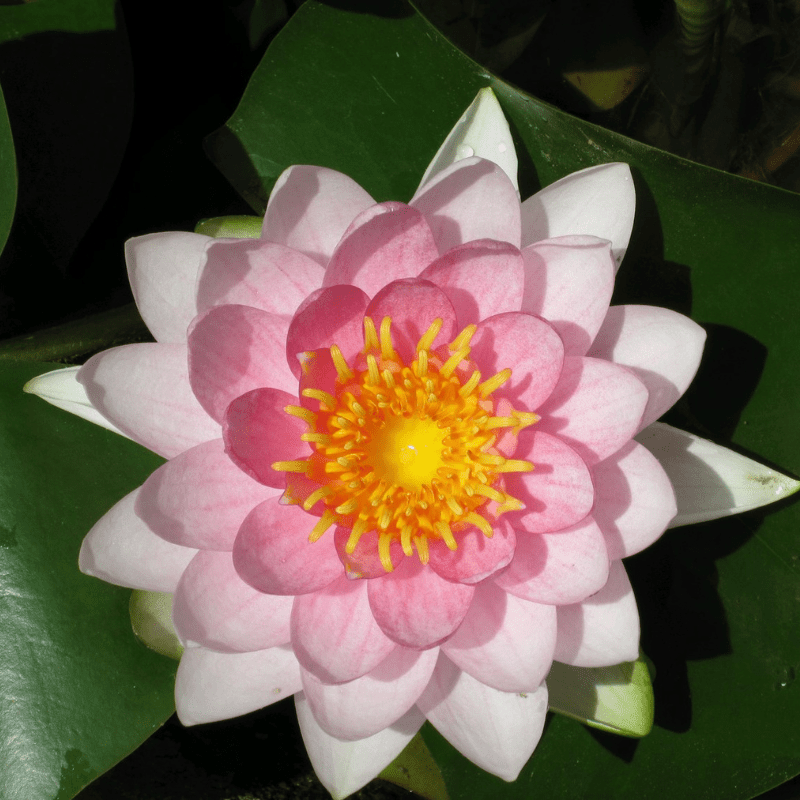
pixel 402 467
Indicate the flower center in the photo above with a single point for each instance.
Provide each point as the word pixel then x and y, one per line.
pixel 407 450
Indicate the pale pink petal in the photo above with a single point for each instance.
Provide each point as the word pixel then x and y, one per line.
pixel 233 349
pixel 496 730
pixel 310 208
pixel 602 630
pixel 211 686
pixel 661 346
pixel 569 281
pixel 526 345
pixel 335 635
pixel 417 608
pixel 365 560
pixel 199 498
pixel 595 408
pixel 215 608
pixel 121 549
pixel 273 554
pixel 598 201
pixel 558 568
pixel 634 502
pixel 144 390
pixel 163 270
pixel 472 199
pixel 343 767
pixel 388 242
pixel 504 642
pixel 252 272
pixel 367 705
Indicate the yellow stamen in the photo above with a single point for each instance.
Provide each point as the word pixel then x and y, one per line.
pixel 449 366
pixel 315 496
pixel 344 372
pixel 495 382
pixel 426 340
pixel 290 466
pixel 463 338
pixel 325 521
pixel 387 351
pixel 306 414
pixel 324 398
pixel 370 335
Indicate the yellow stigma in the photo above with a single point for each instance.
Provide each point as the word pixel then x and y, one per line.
pixel 407 450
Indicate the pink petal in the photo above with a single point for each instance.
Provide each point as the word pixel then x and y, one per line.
pixel 310 208
pixel 481 278
pixel 215 608
pixel 335 635
pixel 526 345
pixel 661 346
pixel 318 372
pixel 387 242
pixel 569 281
pixel 144 390
pixel 121 549
pixel 477 557
pixel 367 705
pixel 252 272
pixel 558 568
pixel 364 561
pixel 199 498
pixel 595 408
pixel 472 199
pixel 496 730
pixel 597 201
pixel 417 608
pixel 212 686
pixel 233 349
pixel 558 492
pixel 602 630
pixel 273 554
pixel 163 269
pixel 504 642
pixel 344 767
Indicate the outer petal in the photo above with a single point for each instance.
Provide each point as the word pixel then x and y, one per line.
pixel 144 390
pixel 344 767
pixel 215 608
pixel 496 730
pixel 602 630
pixel 569 281
pixel 472 199
pixel 121 549
pixel 634 500
pixel 163 270
pixel 310 208
pixel 415 607
pixel 199 498
pixel 504 642
pixel 477 557
pixel 211 686
pixel 598 201
pixel 367 705
pixel 661 346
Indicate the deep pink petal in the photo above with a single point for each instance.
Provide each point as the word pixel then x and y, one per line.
pixel 144 390
pixel 121 549
pixel 318 372
pixel 602 630
pixel 595 408
pixel 335 635
pixel 481 278
pixel 215 608
pixel 496 730
pixel 310 208
pixel 417 608
pixel 558 568
pixel 504 642
pixel 273 554
pixel 211 686
pixel 569 281
pixel 661 346
pixel 387 242
pixel 367 705
pixel 472 199
pixel 233 349
pixel 364 561
pixel 635 500
pixel 199 498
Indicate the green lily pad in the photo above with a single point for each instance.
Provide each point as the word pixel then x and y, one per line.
pixel 8 174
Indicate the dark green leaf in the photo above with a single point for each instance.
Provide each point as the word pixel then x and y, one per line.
pixel 8 175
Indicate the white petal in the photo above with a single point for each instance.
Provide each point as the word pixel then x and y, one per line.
pixel 711 481
pixel 61 389
pixel 482 131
